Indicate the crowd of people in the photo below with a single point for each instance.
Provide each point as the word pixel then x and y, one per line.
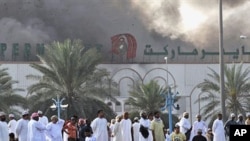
pixel 147 127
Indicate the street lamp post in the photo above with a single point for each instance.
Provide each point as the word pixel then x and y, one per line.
pixel 221 60
pixel 58 105
pixel 169 103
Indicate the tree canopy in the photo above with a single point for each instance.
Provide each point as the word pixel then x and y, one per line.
pixel 69 69
pixel 237 88
pixel 8 94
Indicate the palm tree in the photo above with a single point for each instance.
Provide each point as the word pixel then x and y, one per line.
pixel 146 96
pixel 237 87
pixel 8 97
pixel 69 70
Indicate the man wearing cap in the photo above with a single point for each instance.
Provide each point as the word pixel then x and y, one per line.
pixel 12 124
pixel 185 126
pixel 177 135
pixel 199 136
pixel 240 120
pixel 231 121
pixel 36 129
pixel 54 129
pixel 4 134
pixel 22 127
pixel 218 129
pixel 198 124
pixel 136 129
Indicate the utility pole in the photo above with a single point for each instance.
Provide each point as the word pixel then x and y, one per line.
pixel 221 60
pixel 169 102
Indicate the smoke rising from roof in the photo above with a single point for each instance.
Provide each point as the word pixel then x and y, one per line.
pixel 192 23
pixel 196 21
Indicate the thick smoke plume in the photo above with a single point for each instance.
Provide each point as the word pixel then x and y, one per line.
pixel 156 22
pixel 166 18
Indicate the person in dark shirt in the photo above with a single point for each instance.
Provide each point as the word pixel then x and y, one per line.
pixel 88 127
pixel 199 136
pixel 231 121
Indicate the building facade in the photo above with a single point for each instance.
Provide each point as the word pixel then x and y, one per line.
pixel 184 76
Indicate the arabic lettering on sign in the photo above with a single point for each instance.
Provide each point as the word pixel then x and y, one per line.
pixel 202 53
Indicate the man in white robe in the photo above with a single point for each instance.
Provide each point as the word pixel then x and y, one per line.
pixel 54 129
pixel 111 128
pixel 218 129
pixel 43 119
pixel 116 132
pixel 4 133
pixel 136 129
pixel 22 127
pixel 126 127
pixel 198 124
pixel 36 129
pixel 12 124
pixel 100 127
pixel 185 126
pixel 145 122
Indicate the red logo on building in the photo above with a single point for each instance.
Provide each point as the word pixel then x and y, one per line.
pixel 124 44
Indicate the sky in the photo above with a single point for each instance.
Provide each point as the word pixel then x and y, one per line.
pixel 186 23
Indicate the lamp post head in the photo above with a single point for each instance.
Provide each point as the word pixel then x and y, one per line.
pixel 243 36
pixel 166 58
pixel 53 107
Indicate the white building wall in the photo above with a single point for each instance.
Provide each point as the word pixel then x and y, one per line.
pixel 184 76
